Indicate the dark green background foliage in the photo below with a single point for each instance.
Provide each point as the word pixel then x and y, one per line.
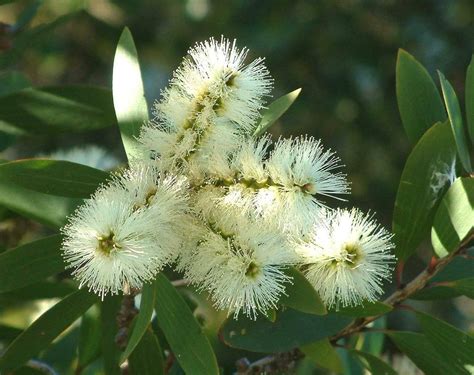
pixel 343 54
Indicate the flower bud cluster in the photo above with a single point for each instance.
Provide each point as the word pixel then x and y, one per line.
pixel 230 210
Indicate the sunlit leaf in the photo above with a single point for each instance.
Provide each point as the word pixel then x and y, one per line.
pixel 418 98
pixel 274 111
pixel 454 219
pixel 129 98
pixel 323 354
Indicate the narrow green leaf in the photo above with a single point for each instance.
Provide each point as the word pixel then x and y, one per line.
pixel 183 333
pixel 33 261
pixel 427 172
pixel 470 99
pixel 301 295
pixel 89 338
pixel 45 329
pixel 54 177
pixel 454 219
pixel 147 358
pixel 418 98
pixel 109 309
pixel 56 109
pixel 436 293
pixel 11 82
pixel 142 320
pixel 373 341
pixel 455 119
pixel 9 333
pixel 374 364
pixel 284 334
pixel 419 349
pixel 39 290
pixel 365 309
pixel 460 267
pixel 455 347
pixel 129 97
pixel 275 110
pixel 324 355
pixel 47 209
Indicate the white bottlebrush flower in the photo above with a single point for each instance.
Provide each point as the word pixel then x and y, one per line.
pixel 347 257
pixel 242 270
pixel 126 232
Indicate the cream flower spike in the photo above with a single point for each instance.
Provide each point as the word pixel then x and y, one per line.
pixel 347 257
pixel 126 232
pixel 243 271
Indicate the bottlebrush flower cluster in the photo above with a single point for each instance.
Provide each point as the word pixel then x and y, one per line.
pixel 230 210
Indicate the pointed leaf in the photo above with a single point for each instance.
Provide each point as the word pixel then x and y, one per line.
pixel 54 177
pixel 29 263
pixel 455 346
pixel 56 109
pixel 129 97
pixel 45 329
pixel 454 219
pixel 470 99
pixel 301 295
pixel 142 320
pixel 418 98
pixel 427 173
pixel 284 334
pixel 183 333
pixel 324 355
pixel 455 119
pixel 274 111
pixel 147 358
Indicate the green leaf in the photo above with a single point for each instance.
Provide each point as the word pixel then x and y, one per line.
pixel 470 99
pixel 454 219
pixel 460 267
pixel 47 209
pixel 9 333
pixel 373 341
pixel 39 290
pixel 11 82
pixel 455 119
pixel 45 329
pixel 419 349
pixel 455 347
pixel 27 15
pixel 365 309
pixel 374 364
pixel 275 110
pixel 142 320
pixel 2 2
pixel 147 358
pixel 89 338
pixel 183 333
pixel 54 177
pixel 418 98
pixel 284 334
pixel 129 97
pixel 109 309
pixel 324 355
pixel 435 293
pixel 465 287
pixel 301 295
pixel 29 263
pixel 427 170
pixel 56 109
